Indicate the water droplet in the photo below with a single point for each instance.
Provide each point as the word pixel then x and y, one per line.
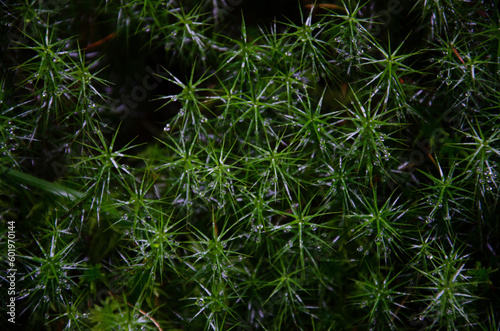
pixel 200 302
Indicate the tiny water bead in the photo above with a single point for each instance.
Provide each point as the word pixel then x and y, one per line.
pixel 259 228
pixel 200 302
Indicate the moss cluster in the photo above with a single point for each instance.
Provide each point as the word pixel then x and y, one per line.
pixel 232 164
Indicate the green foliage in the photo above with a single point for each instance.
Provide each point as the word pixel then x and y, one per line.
pixel 168 166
